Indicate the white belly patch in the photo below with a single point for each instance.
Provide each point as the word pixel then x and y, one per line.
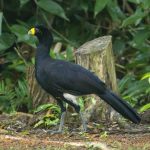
pixel 71 98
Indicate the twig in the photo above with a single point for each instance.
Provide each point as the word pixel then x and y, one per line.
pixel 6 22
pixel 120 66
pixel 129 9
pixel 59 34
pixel 17 50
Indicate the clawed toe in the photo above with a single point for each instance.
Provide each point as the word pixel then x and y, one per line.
pixel 51 132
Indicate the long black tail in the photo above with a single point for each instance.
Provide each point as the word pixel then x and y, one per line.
pixel 121 106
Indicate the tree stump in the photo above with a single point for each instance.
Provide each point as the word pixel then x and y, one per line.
pixel 97 56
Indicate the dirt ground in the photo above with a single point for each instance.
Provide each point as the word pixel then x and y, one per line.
pixel 15 135
pixel 75 141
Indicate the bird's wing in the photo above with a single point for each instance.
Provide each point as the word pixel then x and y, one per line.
pixel 72 78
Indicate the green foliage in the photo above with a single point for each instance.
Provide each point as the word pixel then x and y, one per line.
pixel 6 97
pixel 22 95
pixel 146 76
pixel 99 6
pixel 6 41
pixel 75 22
pixel 49 119
pixel 132 90
pixel 145 107
pixel 46 107
pixel 134 19
pixel 13 97
pixel 67 55
pixel 52 7
pixel 22 36
pixel 81 103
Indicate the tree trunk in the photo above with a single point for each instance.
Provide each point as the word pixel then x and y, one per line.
pixel 97 56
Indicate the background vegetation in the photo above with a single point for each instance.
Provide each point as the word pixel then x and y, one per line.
pixel 74 22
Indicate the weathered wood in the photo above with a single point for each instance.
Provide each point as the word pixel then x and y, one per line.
pixel 97 56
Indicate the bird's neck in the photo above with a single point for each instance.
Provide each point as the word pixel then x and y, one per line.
pixel 42 52
pixel 43 49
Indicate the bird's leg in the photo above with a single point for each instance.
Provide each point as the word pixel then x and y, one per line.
pixel 62 119
pixel 71 99
pixel 84 124
pixel 61 125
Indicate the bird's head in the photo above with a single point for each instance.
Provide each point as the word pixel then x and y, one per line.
pixel 42 33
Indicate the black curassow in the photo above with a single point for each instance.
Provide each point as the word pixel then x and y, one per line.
pixel 65 81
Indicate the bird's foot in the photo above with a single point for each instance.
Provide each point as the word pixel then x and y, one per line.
pixel 60 130
pixel 84 124
pixel 51 132
pixel 84 130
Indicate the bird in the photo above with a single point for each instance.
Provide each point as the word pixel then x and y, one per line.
pixel 65 81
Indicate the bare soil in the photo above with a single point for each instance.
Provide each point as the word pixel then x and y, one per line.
pixel 75 141
pixel 15 135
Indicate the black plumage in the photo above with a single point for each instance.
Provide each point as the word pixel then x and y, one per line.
pixel 65 80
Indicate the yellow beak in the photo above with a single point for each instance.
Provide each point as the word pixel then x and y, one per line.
pixel 32 31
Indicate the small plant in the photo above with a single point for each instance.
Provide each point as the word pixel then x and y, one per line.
pixel 104 134
pixel 145 107
pixel 81 103
pixel 52 116
pixel 6 97
pixel 65 55
pixel 12 97
pixel 134 90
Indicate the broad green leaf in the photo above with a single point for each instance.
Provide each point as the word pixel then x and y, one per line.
pixel 145 107
pixel 146 4
pixel 47 106
pixel 43 107
pixel 136 88
pixel 39 123
pixel 1 17
pixel 141 36
pixel 19 29
pixel 119 46
pixel 52 7
pixel 20 22
pixel 23 2
pixel 124 82
pixel 69 53
pixel 22 36
pixel 99 6
pixel 49 122
pixel 84 5
pixel 134 19
pixel 114 11
pixel 135 1
pixel 6 41
pixel 145 76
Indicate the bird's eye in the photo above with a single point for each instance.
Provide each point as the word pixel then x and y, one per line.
pixel 37 30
